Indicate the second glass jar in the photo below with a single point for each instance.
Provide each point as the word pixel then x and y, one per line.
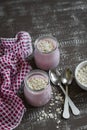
pixel 46 52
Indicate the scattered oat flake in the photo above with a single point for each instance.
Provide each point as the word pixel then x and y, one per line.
pixel 51 115
pixel 51 104
pixel 58 109
pixel 57 127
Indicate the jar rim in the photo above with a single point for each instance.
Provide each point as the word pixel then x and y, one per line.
pixel 36 72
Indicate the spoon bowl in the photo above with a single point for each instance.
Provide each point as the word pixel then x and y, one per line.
pixel 53 77
pixel 67 77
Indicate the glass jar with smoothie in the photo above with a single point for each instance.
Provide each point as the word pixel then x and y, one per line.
pixel 37 89
pixel 46 52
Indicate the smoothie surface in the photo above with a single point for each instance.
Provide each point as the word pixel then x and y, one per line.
pixel 37 82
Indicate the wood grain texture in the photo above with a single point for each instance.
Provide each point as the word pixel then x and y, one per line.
pixel 67 21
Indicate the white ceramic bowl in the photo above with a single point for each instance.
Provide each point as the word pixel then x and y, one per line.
pixel 79 66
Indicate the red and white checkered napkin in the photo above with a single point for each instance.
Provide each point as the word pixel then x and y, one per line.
pixel 13 68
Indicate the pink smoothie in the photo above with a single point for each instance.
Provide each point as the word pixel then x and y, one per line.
pixel 46 53
pixel 37 88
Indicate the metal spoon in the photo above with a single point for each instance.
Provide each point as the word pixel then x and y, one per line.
pixel 66 79
pixel 56 80
pixel 66 113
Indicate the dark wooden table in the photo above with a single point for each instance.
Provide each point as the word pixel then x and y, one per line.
pixel 67 21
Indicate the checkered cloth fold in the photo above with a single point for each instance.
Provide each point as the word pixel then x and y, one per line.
pixel 13 69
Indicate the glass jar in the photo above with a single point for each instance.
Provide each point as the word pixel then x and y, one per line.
pixel 46 52
pixel 38 96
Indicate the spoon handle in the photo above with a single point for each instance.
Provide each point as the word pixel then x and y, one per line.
pixel 74 109
pixel 66 113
